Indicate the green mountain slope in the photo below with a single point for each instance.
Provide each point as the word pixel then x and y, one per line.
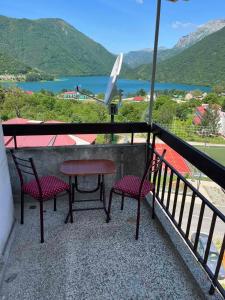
pixel 202 63
pixel 53 46
pixel 9 65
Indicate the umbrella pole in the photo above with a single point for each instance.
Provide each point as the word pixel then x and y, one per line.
pixel 154 61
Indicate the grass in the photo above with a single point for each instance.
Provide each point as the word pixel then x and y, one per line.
pixel 217 153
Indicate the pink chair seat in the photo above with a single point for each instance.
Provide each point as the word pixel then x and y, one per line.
pixel 130 185
pixel 50 186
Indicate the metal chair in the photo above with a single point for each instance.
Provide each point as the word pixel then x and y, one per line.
pixel 137 187
pixel 40 188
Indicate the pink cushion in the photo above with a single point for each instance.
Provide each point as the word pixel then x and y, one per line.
pixel 50 186
pixel 131 184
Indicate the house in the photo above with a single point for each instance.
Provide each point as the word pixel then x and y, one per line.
pixel 138 99
pixel 222 123
pixel 188 96
pixel 46 140
pixel 199 113
pixel 73 95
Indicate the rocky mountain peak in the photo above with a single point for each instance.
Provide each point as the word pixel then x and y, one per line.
pixel 201 32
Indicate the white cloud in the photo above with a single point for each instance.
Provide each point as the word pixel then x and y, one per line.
pixel 140 1
pixel 178 25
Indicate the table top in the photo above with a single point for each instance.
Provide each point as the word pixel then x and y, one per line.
pixel 87 167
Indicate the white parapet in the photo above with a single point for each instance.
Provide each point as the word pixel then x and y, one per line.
pixel 6 199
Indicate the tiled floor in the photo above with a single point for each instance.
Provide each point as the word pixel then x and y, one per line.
pixel 90 259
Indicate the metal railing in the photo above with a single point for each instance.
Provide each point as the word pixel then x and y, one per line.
pixel 170 179
pixel 165 181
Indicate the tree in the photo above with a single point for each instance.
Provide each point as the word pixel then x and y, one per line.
pixel 219 88
pixel 211 118
pixel 223 106
pixel 161 100
pixel 165 114
pixel 15 100
pixel 212 98
pixel 141 92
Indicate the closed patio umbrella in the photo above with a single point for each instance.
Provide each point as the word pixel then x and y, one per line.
pixel 158 12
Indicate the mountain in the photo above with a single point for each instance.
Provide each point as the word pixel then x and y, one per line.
pixel 203 63
pixel 53 46
pixel 10 65
pixel 202 31
pixel 135 59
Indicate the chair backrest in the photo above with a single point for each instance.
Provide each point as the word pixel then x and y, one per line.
pixel 153 166
pixel 26 166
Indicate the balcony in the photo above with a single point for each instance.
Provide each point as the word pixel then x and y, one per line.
pixel 91 259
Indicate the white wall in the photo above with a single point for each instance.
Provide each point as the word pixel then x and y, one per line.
pixel 6 200
pixel 222 123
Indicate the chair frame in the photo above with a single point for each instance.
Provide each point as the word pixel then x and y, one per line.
pixel 152 167
pixel 27 166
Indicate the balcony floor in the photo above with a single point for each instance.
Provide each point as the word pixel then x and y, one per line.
pixel 90 259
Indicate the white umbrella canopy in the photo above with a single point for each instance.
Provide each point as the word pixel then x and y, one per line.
pixel 158 12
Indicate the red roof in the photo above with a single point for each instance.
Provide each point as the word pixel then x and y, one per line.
pixel 201 109
pixel 90 138
pixel 70 92
pixel 175 159
pixel 46 140
pixel 197 120
pixel 16 121
pixel 138 98
pixel 29 92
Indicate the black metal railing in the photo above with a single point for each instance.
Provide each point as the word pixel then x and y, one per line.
pixel 15 130
pixel 170 183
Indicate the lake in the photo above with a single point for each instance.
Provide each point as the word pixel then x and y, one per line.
pixel 97 84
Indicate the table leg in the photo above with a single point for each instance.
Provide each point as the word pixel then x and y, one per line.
pixel 72 198
pixel 103 193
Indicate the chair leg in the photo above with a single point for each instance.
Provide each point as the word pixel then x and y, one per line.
pixel 138 218
pixel 70 207
pixel 22 207
pixel 153 204
pixel 109 206
pixel 41 221
pixel 54 203
pixel 122 202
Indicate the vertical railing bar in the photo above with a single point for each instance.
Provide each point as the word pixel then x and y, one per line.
pixel 199 225
pixel 190 214
pixel 15 142
pixel 148 150
pixel 152 153
pixel 169 190
pixel 132 138
pixel 158 181
pixel 176 196
pixel 182 205
pixel 210 238
pixel 164 182
pixel 218 266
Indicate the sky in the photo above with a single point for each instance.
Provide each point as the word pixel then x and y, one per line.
pixel 122 25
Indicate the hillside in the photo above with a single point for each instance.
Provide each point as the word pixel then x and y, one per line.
pixel 53 46
pixel 202 63
pixel 9 65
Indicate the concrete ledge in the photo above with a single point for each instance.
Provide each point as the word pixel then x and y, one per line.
pixel 184 251
pixel 5 255
pixel 129 159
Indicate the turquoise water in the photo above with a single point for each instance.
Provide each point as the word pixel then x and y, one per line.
pixel 97 84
